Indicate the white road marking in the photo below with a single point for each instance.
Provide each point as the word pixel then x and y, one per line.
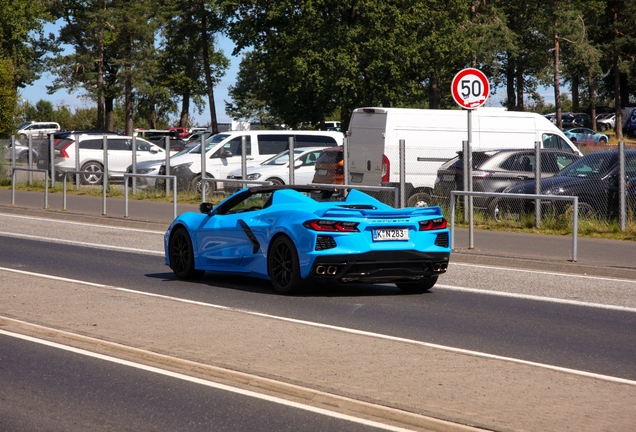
pixel 209 383
pixel 534 297
pixel 336 328
pixel 81 223
pixel 84 244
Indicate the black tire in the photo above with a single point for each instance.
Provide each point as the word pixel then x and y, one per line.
pixel 420 199
pixel 586 211
pixel 181 256
pixel 23 157
pixel 500 210
pixel 573 140
pixel 276 182
pixel 22 137
pixel 602 141
pixel 92 179
pixel 283 267
pixel 196 185
pixel 420 286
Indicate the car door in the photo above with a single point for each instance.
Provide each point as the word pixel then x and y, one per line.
pixel 228 158
pixel 148 152
pixel 119 155
pixel 305 173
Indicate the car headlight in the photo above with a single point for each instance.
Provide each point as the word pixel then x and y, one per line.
pixel 145 171
pixel 254 176
pixel 183 166
pixel 555 191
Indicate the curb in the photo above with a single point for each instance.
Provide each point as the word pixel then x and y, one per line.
pixel 315 397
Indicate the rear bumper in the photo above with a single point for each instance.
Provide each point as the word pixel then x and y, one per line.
pixel 380 266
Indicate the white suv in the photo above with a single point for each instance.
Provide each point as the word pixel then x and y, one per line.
pixel 37 129
pixel 91 155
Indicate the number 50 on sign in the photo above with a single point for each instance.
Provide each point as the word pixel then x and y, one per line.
pixel 470 88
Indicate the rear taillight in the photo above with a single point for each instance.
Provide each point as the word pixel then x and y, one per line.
pixel 331 226
pixel 386 169
pixel 481 174
pixel 62 151
pixel 339 170
pixel 433 224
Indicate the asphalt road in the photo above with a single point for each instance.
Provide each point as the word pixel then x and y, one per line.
pixel 45 388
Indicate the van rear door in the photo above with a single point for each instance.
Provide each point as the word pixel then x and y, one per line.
pixel 366 146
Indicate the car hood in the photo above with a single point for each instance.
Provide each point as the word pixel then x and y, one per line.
pixel 548 184
pixel 263 169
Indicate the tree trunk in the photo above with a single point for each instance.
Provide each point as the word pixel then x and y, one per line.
pixel 206 67
pixel 185 109
pixel 520 83
pixel 435 93
pixel 100 78
pixel 109 108
pixel 153 113
pixel 557 87
pixel 576 102
pixel 590 84
pixel 511 101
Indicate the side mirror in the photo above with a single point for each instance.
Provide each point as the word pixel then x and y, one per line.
pixel 298 164
pixel 154 150
pixel 206 207
pixel 226 154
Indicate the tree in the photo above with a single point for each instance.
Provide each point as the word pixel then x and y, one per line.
pixel 8 98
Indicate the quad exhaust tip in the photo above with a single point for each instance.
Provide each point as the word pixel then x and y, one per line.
pixel 326 270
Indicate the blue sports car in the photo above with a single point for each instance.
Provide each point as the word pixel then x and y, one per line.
pixel 293 235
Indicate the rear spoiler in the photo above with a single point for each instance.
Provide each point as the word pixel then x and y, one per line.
pixel 397 213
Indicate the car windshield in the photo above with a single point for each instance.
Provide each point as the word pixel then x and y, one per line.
pixel 210 143
pixel 23 124
pixel 595 165
pixel 182 152
pixel 281 158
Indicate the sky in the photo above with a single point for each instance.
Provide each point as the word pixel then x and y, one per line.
pixel 37 91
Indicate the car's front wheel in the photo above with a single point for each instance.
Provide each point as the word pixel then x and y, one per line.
pixel 197 185
pixel 419 200
pixel 91 178
pixel 181 255
pixel 283 267
pixel 422 285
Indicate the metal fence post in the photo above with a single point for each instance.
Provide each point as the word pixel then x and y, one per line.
pixel 77 162
pixel 105 175
pixel 622 215
pixel 537 183
pixel 465 160
pixel 134 164
pixel 12 151
pixel 30 159
pixel 292 176
pixel 345 159
pixel 203 168
pixel 402 173
pixel 167 142
pixel 244 158
pixel 52 159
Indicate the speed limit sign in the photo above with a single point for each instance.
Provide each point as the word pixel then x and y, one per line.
pixel 470 88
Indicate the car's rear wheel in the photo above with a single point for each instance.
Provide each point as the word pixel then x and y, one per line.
pixel 419 286
pixel 197 185
pixel 283 267
pixel 181 255
pixel 602 141
pixel 419 200
pixel 586 211
pixel 92 179
pixel 275 181
pixel 501 210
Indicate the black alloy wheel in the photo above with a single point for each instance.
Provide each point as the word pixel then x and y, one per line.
pixel 283 266
pixel 181 256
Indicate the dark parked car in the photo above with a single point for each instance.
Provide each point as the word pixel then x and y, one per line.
pixel 329 167
pixel 593 178
pixel 495 170
pixel 176 144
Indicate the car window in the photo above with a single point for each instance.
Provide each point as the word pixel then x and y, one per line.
pixel 315 141
pixel 330 157
pixel 562 161
pixel 272 144
pixel 630 166
pixel 235 146
pixel 120 144
pixel 92 144
pixel 555 142
pixel 245 202
pixel 595 165
pixel 309 159
pixel 143 146
pixel 519 162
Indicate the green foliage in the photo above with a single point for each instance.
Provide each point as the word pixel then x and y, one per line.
pixel 8 99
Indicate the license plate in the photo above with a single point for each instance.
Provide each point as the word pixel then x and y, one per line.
pixel 356 177
pixel 321 172
pixel 448 178
pixel 390 234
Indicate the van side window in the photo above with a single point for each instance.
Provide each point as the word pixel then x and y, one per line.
pixel 92 144
pixel 315 141
pixel 555 142
pixel 272 144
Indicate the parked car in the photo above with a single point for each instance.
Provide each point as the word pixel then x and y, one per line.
pixel 329 168
pixel 91 155
pixel 276 169
pixel 494 171
pixel 182 132
pixel 605 121
pixel 593 178
pixel 37 129
pixel 61 139
pixel 154 167
pixel 21 152
pixel 586 136
pixel 176 144
pixel 293 235
pixel 224 151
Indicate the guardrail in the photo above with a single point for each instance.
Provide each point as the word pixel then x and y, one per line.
pixel 77 185
pixel 575 218
pixel 157 176
pixel 31 170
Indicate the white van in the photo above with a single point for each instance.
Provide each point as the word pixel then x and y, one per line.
pixel 37 129
pixel 223 153
pixel 431 138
